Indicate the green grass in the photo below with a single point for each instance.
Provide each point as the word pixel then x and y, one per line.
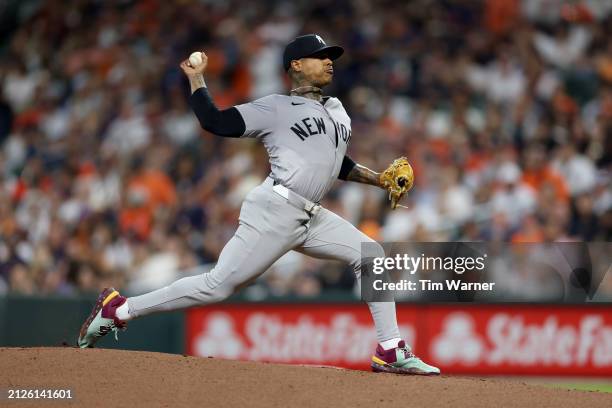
pixel 600 387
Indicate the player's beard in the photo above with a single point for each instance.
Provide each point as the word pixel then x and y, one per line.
pixel 324 80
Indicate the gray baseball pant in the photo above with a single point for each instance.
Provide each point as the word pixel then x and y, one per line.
pixel 269 227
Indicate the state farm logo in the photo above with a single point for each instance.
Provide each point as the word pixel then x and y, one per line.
pixel 219 338
pixel 267 337
pixel 458 342
pixel 508 339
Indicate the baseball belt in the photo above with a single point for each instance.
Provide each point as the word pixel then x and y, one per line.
pixel 295 199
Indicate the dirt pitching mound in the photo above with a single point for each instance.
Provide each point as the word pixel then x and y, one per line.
pixel 103 378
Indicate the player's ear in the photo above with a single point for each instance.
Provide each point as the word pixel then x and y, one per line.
pixel 296 65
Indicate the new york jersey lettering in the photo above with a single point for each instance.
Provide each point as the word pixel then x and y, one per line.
pixel 308 127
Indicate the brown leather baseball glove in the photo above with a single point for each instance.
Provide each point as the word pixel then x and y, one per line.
pixel 397 179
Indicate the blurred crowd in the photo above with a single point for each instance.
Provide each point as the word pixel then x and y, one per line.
pixel 504 108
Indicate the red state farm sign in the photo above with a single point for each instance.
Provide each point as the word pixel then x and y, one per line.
pixel 521 340
pixel 475 339
pixel 298 334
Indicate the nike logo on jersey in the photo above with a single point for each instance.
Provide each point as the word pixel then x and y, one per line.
pixel 294 103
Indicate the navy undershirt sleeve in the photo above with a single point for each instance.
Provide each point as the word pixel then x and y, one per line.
pixel 347 165
pixel 226 123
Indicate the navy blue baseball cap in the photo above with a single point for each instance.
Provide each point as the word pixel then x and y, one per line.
pixel 309 45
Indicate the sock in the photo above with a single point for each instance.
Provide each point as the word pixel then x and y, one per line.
pixel 123 312
pixel 387 344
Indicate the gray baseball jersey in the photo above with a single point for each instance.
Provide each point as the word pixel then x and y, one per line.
pixel 306 143
pixel 305 139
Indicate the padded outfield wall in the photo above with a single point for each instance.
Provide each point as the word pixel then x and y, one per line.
pixel 541 340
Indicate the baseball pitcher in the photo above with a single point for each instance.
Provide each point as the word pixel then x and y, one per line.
pixel 306 135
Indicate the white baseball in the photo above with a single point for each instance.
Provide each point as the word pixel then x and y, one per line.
pixel 195 59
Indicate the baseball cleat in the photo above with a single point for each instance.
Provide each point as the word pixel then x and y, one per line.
pixel 102 319
pixel 400 360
